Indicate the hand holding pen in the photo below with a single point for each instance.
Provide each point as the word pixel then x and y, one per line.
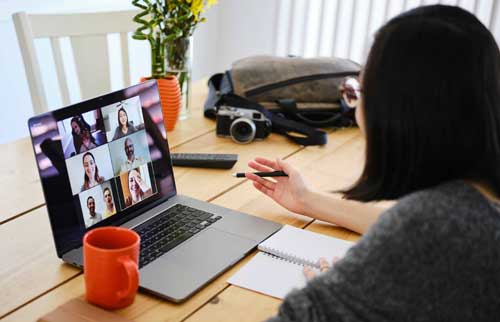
pixel 287 187
pixel 279 173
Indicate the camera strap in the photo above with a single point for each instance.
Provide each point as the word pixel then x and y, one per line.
pixel 220 94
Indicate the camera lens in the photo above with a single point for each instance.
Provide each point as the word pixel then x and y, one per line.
pixel 242 130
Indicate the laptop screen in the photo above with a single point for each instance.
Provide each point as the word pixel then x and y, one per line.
pixel 102 161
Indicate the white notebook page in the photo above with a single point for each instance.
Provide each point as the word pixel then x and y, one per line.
pixel 278 275
pixel 305 247
pixel 269 275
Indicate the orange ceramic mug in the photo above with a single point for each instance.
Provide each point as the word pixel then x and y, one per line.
pixel 111 257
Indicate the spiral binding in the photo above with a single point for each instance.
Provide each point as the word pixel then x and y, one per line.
pixel 288 257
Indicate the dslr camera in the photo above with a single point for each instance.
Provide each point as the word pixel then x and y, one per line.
pixel 241 124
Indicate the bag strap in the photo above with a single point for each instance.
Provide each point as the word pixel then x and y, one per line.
pixel 289 108
pixel 295 131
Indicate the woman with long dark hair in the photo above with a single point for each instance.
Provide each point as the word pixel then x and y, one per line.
pixel 429 109
pixel 91 177
pixel 82 138
pixel 124 127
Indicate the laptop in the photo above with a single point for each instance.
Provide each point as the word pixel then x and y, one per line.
pixel 106 162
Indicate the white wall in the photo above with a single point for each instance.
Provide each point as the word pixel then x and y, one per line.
pixel 245 28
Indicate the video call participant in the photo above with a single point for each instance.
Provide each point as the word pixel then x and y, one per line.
pixel 108 200
pixel 82 138
pixel 94 217
pixel 91 177
pixel 132 161
pixel 137 188
pixel 124 126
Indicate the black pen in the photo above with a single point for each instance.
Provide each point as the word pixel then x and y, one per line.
pixel 262 174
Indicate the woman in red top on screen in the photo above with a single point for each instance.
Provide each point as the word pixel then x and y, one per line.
pixel 124 126
pixel 91 177
pixel 137 187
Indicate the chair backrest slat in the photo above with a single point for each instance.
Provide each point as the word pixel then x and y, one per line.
pixel 125 58
pixel 32 68
pixel 61 76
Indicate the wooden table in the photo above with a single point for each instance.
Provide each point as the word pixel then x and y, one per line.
pixel 33 281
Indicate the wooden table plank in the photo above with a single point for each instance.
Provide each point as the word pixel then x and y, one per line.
pixel 21 190
pixel 30 266
pixel 244 197
pixel 237 304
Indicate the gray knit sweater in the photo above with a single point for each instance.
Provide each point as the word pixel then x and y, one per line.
pixel 434 256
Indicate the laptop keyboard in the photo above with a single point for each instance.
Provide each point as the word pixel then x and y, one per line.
pixel 169 229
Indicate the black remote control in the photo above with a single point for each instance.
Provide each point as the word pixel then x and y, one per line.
pixel 204 160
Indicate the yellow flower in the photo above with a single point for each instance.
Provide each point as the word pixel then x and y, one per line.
pixel 196 8
pixel 211 3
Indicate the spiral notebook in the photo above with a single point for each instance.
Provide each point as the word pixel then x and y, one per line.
pixel 278 267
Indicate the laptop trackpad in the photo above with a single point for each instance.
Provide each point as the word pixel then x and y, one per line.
pixel 183 270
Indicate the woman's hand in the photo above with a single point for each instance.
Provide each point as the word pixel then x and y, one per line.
pixel 290 192
pixel 323 267
pixel 142 185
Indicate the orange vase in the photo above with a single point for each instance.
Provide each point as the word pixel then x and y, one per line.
pixel 170 98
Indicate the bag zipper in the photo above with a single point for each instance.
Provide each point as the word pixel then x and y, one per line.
pixel 297 80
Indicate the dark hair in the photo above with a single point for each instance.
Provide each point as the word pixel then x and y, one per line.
pixel 78 119
pixel 118 114
pixel 90 197
pixel 96 175
pixel 77 138
pixel 431 92
pixel 107 188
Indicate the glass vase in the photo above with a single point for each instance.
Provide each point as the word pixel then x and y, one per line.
pixel 178 61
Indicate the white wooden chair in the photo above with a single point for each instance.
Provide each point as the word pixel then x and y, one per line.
pixel 88 35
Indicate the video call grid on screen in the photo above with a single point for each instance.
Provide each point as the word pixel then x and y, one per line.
pixel 107 144
pixel 53 144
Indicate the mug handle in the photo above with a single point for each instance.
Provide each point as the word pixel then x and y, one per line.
pixel 132 277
